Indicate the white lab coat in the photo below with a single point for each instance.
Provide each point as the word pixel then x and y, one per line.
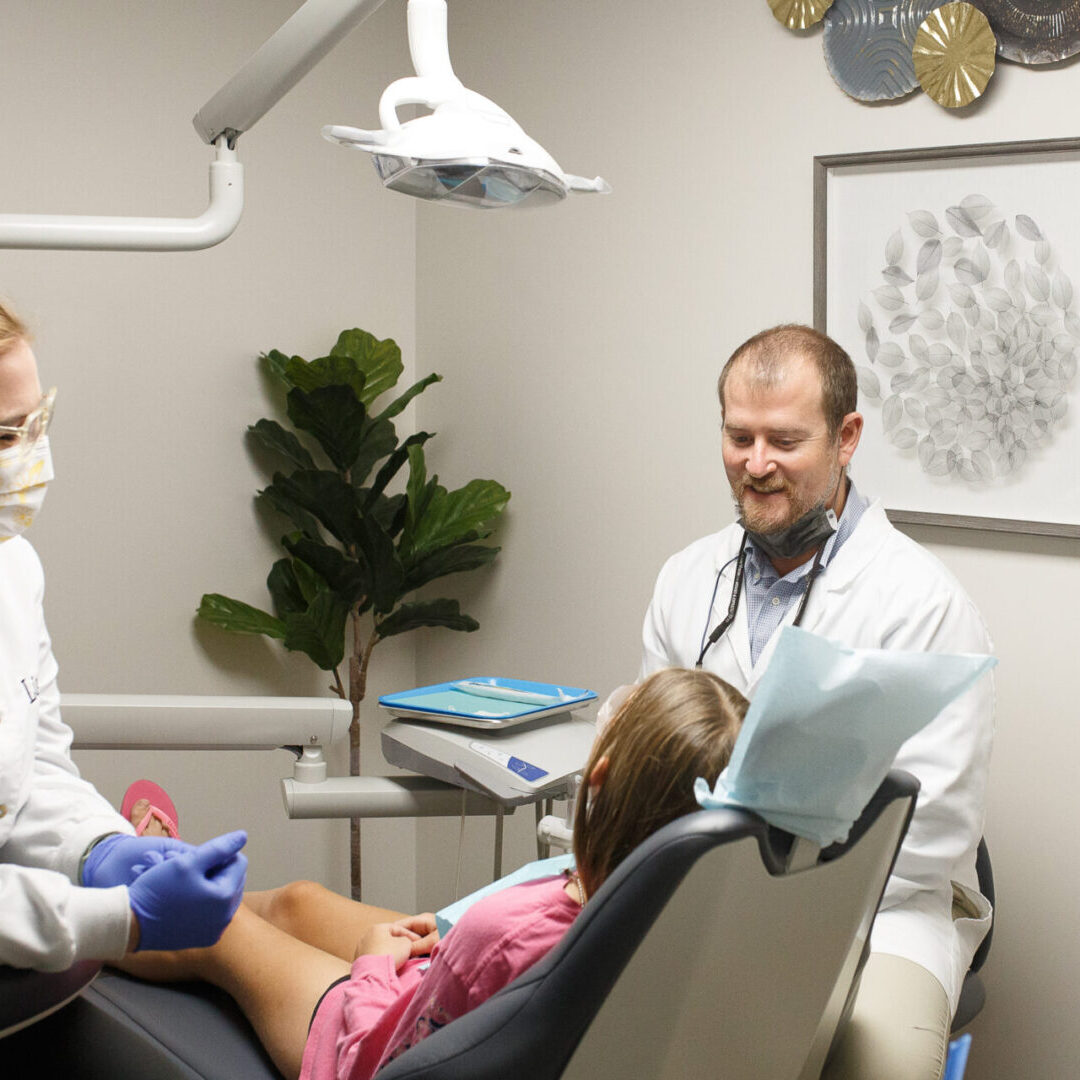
pixel 48 815
pixel 880 591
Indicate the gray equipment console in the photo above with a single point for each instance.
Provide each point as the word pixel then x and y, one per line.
pixel 523 764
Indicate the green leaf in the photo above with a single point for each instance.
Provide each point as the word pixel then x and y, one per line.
pixel 310 581
pixel 350 579
pixel 285 590
pixel 399 404
pixel 273 436
pixel 238 617
pixel 395 507
pixel 378 439
pixel 304 521
pixel 425 613
pixel 321 493
pixel 392 464
pixel 326 371
pixel 320 631
pixel 418 491
pixel 277 363
pixel 452 516
pixel 334 415
pixel 388 511
pixel 387 573
pixel 380 361
pixel 449 560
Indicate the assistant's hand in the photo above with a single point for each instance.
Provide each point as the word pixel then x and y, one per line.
pixel 119 859
pixel 185 901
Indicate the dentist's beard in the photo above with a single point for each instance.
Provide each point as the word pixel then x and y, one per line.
pixel 804 526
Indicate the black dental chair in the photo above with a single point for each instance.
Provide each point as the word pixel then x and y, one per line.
pixel 722 949
pixel 973 992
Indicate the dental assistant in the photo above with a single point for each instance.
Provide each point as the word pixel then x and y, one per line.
pixel 75 882
pixel 809 546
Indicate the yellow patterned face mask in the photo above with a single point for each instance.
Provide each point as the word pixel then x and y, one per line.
pixel 23 481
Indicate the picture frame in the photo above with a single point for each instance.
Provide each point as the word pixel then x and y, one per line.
pixel 947 274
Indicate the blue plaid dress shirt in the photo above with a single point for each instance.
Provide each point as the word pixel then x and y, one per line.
pixel 769 597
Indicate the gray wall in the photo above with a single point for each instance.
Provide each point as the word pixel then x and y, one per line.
pixel 596 333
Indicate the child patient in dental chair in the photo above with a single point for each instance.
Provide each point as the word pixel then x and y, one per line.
pixel 371 984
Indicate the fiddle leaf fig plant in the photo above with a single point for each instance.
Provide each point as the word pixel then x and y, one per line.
pixel 356 553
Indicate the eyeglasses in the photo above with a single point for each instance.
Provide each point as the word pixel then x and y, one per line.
pixel 27 434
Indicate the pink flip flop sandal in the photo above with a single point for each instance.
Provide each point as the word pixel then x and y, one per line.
pixel 161 807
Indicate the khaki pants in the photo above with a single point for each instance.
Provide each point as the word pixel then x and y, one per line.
pixel 899 1029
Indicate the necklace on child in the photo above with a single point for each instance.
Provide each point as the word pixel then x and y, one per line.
pixel 576 879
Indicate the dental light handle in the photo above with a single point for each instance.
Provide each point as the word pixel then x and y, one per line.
pixel 415 90
pixel 435 83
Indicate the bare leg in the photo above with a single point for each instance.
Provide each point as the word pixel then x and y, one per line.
pixel 319 917
pixel 274 978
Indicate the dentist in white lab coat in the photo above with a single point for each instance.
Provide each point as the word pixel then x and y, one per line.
pixel 818 552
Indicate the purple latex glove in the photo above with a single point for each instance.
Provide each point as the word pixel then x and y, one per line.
pixel 114 860
pixel 185 901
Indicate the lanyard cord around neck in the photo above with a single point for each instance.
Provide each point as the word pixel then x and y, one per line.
pixel 736 590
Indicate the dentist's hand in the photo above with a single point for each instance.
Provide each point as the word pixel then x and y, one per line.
pixel 113 861
pixel 185 901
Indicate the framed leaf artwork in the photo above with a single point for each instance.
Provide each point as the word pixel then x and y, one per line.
pixel 947 273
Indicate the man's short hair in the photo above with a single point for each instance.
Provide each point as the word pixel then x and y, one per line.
pixel 12 330
pixel 770 352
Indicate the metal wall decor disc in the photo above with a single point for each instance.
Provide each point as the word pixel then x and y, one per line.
pixel 799 14
pixel 1034 31
pixel 868 46
pixel 954 54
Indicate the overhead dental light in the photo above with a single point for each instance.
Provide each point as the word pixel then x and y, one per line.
pixel 468 151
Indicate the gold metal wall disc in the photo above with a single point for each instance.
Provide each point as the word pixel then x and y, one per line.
pixel 799 14
pixel 954 54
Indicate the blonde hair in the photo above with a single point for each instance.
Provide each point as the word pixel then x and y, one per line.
pixel 676 726
pixel 12 330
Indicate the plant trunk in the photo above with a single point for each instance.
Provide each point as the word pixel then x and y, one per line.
pixel 355 869
pixel 358 667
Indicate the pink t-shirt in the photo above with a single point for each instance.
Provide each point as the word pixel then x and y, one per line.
pixel 378 1013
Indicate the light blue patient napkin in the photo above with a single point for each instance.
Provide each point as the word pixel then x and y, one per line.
pixel 824 728
pixel 532 871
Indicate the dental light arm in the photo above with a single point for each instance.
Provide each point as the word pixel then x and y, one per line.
pixel 274 70
pixel 72 232
pixel 468 152
pixel 279 65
